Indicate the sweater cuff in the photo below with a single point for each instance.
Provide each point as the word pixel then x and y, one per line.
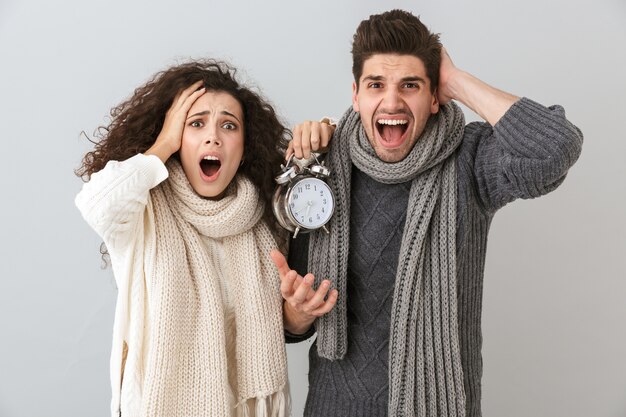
pixel 533 131
pixel 296 338
pixel 151 168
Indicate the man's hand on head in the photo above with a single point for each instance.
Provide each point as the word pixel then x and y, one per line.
pixel 447 72
pixel 488 102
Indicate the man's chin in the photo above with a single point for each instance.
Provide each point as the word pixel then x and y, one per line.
pixel 390 155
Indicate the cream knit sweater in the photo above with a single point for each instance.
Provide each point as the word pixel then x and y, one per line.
pixel 117 204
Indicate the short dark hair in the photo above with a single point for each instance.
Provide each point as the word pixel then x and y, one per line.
pixel 396 32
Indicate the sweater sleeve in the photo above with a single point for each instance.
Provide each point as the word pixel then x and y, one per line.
pixel 113 201
pixel 297 338
pixel 525 155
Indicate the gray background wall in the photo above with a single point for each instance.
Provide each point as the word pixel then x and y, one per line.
pixel 555 290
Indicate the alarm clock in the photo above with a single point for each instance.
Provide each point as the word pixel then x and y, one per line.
pixel 303 200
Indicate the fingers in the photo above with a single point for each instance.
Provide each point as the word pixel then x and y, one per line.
pixel 169 138
pixel 327 305
pixel 193 88
pixel 185 92
pixel 320 135
pixel 184 96
pixel 317 300
pixel 301 140
pixel 445 55
pixel 316 133
pixel 299 296
pixel 189 96
pixel 280 262
pixel 326 132
pixel 312 303
pixel 289 279
pixel 287 286
pixel 447 74
pixel 309 137
pixel 296 142
pixel 298 291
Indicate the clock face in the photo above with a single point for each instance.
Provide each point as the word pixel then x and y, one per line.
pixel 310 203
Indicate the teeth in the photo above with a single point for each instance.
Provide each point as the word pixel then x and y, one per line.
pixel 211 158
pixel 392 122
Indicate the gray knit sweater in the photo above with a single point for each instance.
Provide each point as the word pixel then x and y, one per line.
pixel 527 154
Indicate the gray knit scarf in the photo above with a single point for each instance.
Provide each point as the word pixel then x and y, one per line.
pixel 425 374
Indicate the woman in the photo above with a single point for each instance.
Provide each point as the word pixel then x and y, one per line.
pixel 179 189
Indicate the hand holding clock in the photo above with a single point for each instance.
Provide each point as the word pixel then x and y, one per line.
pixel 302 304
pixel 310 136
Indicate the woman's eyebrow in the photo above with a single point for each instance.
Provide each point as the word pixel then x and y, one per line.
pixel 202 113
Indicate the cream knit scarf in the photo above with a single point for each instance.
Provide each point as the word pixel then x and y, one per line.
pixel 186 367
pixel 425 374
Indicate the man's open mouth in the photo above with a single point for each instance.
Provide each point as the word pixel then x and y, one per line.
pixel 392 130
pixel 210 165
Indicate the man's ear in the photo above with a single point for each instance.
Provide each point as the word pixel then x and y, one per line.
pixel 355 102
pixel 434 105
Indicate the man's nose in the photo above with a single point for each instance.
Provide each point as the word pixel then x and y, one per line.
pixel 391 99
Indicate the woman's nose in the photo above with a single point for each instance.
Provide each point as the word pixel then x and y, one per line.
pixel 212 138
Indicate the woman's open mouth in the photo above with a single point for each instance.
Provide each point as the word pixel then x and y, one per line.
pixel 210 167
pixel 392 131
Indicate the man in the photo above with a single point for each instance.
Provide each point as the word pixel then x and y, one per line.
pixel 416 189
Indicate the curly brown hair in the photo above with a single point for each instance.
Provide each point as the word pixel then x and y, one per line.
pixel 136 123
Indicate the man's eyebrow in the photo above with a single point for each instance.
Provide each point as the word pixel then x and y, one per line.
pixel 205 112
pixel 373 78
pixel 410 78
pixel 413 78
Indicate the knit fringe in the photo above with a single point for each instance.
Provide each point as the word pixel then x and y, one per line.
pixel 276 404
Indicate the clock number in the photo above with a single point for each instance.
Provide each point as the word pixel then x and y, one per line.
pixel 307 186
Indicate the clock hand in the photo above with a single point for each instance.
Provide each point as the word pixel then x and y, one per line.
pixel 308 206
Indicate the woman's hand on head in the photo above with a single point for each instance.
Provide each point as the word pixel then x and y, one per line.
pixel 170 138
